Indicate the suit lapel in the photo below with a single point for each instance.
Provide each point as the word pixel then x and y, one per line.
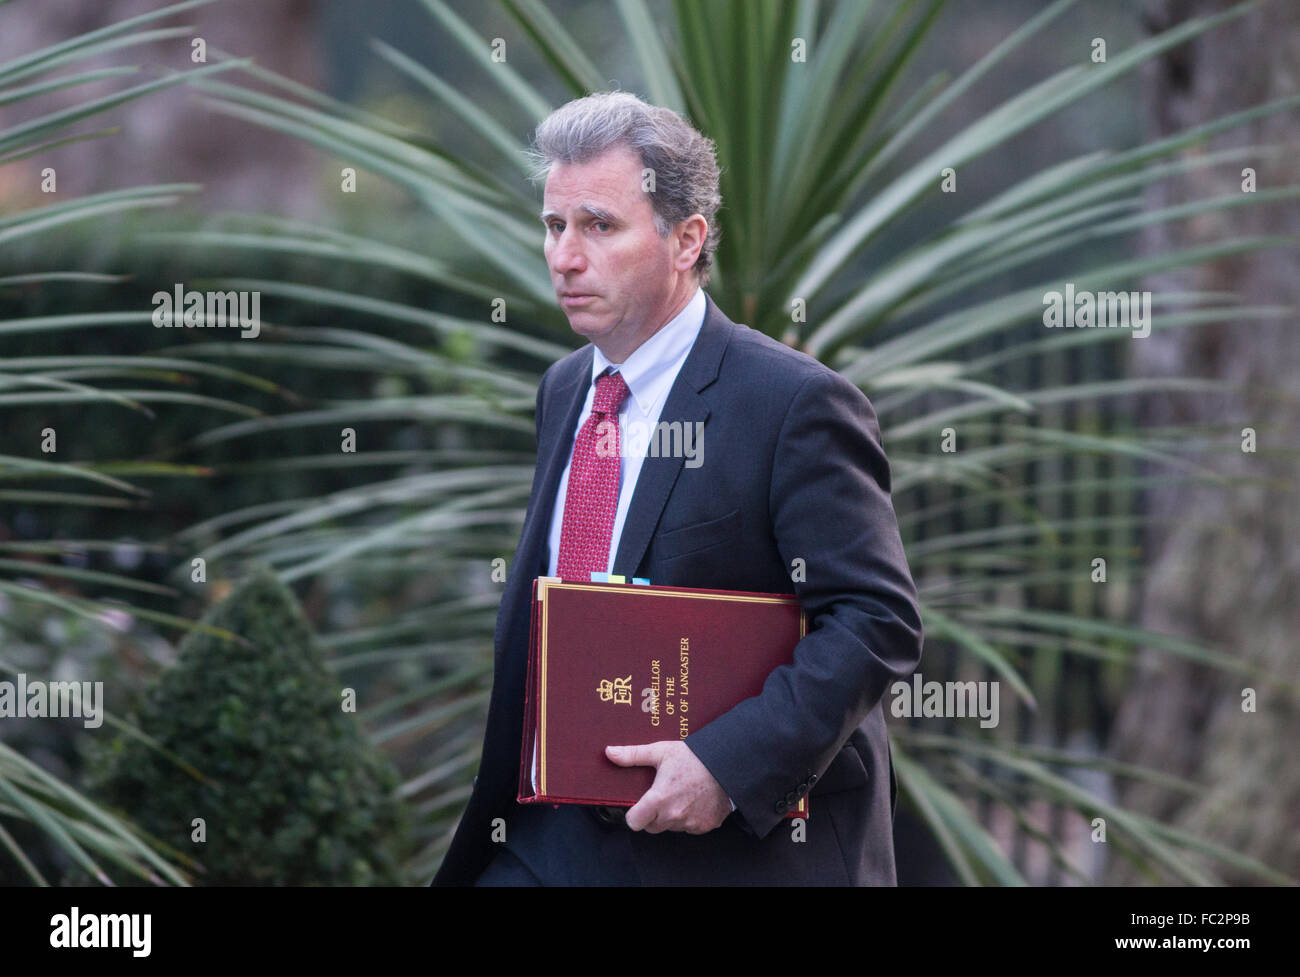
pixel 684 405
pixel 571 398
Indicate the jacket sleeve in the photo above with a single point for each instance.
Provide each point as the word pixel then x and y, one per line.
pixel 830 508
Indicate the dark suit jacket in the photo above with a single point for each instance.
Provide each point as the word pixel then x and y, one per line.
pixel 792 469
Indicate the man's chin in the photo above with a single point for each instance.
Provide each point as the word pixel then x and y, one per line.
pixel 587 326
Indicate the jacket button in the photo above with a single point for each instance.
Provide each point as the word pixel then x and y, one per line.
pixel 781 807
pixel 812 779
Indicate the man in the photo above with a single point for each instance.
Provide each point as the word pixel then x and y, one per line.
pixel 790 494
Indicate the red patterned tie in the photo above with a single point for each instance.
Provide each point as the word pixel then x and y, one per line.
pixel 591 501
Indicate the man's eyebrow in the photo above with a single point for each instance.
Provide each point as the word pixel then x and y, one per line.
pixel 595 212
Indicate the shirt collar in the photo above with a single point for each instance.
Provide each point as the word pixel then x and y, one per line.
pixel 648 369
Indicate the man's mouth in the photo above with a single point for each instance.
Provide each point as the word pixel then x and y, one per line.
pixel 574 298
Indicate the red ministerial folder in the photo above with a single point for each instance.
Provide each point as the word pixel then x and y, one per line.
pixel 620 664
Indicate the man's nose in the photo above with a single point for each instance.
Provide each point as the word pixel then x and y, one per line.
pixel 567 254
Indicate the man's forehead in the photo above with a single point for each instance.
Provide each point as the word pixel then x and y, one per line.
pixel 610 178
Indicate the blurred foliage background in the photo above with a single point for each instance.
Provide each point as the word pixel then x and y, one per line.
pixel 1122 698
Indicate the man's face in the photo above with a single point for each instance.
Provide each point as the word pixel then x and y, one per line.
pixel 601 245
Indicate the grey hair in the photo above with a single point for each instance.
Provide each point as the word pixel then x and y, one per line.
pixel 682 159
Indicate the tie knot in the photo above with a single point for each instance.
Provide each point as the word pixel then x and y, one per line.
pixel 611 391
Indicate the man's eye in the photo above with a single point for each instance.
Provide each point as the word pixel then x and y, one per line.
pixel 558 227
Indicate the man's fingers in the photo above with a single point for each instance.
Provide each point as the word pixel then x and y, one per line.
pixel 641 815
pixel 644 755
pixel 684 796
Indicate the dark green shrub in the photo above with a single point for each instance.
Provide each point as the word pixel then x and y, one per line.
pixel 290 790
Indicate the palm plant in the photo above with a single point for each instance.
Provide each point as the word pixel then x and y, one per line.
pixel 78 826
pixel 812 156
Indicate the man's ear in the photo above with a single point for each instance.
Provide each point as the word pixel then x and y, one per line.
pixel 691 234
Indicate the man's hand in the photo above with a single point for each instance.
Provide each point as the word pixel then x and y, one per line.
pixel 684 795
